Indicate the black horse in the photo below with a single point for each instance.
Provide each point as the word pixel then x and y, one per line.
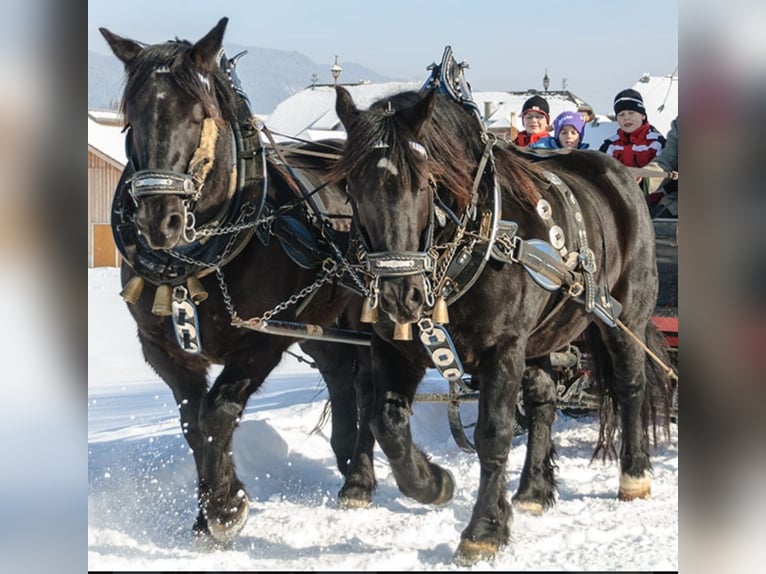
pixel 203 216
pixel 528 257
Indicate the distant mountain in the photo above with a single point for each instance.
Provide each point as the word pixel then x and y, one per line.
pixel 268 76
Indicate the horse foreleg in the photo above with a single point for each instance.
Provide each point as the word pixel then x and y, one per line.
pixel 395 381
pixel 489 528
pixel 186 375
pixel 537 485
pixel 223 497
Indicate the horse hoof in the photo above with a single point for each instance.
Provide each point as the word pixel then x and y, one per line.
pixel 224 531
pixel 350 503
pixel 530 507
pixel 632 488
pixel 354 496
pixel 469 552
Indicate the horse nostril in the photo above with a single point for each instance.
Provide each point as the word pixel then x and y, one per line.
pixel 414 297
pixel 171 225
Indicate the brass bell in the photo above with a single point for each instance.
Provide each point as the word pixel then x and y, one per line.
pixel 441 315
pixel 132 291
pixel 196 290
pixel 163 301
pixel 402 331
pixel 369 313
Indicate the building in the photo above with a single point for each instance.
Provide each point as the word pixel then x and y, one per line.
pixel 106 160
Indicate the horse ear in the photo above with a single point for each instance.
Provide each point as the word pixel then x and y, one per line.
pixel 345 107
pixel 419 115
pixel 124 48
pixel 205 53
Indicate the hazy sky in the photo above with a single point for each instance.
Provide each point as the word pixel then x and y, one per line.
pixel 599 46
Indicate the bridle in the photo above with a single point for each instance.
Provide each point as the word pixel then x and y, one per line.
pixel 247 161
pixel 440 262
pixel 399 263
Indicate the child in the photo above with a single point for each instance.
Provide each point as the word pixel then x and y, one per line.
pixel 636 142
pixel 535 115
pixel 568 131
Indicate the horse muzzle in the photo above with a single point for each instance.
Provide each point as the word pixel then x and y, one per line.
pixel 402 282
pixel 403 298
pixel 161 222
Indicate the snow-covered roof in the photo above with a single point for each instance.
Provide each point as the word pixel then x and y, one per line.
pixel 106 116
pixel 310 113
pixel 108 140
pixel 660 94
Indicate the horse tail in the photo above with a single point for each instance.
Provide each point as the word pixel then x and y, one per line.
pixel 659 385
pixel 657 391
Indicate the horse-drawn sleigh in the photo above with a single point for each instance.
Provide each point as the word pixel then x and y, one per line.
pixel 497 263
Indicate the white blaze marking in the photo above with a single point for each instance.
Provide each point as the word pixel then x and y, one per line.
pixel 384 163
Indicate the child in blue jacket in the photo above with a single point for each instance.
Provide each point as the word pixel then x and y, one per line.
pixel 568 130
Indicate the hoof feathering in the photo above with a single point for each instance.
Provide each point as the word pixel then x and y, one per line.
pixel 529 507
pixel 632 487
pixel 469 552
pixel 225 532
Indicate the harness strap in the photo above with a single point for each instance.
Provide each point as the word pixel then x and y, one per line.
pixel 491 140
pixel 586 257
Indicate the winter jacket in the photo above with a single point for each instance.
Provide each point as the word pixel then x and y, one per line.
pixel 524 138
pixel 552 143
pixel 637 148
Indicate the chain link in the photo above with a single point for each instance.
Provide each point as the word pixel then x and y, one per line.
pixel 248 210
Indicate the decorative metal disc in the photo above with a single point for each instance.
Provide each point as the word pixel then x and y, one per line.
pixel 544 209
pixel 556 236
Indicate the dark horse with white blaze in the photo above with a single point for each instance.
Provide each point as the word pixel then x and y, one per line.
pixel 208 220
pixel 525 255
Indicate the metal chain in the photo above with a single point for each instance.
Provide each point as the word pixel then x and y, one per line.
pixel 293 299
pixel 227 301
pixel 440 270
pixel 232 227
pixel 348 268
pixel 329 268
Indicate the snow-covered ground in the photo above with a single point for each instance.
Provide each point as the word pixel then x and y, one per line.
pixel 141 482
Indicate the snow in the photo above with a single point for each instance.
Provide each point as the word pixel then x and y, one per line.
pixel 141 481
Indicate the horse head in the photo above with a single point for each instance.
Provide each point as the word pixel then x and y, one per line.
pixel 402 156
pixel 178 108
pixel 388 179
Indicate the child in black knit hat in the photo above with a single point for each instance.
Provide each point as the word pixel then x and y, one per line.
pixel 636 142
pixel 535 115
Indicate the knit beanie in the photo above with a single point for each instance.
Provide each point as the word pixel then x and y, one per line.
pixel 537 104
pixel 629 100
pixel 573 119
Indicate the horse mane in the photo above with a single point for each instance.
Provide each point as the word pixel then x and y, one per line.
pixel 454 144
pixel 519 177
pixel 175 56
